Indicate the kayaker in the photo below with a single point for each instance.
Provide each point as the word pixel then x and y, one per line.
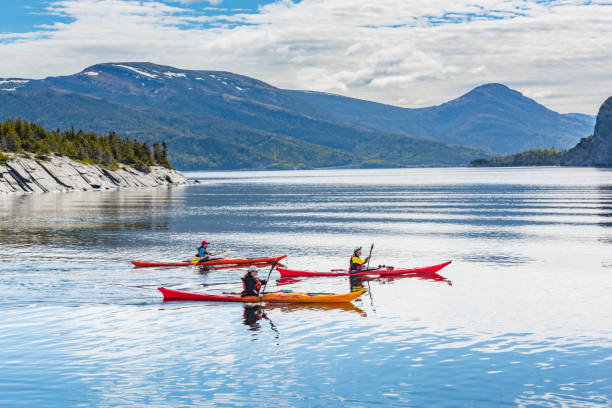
pixel 356 263
pixel 251 284
pixel 203 253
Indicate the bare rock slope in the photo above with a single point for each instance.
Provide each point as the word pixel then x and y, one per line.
pixel 595 150
pixel 58 174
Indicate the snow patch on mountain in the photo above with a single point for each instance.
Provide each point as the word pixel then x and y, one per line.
pixel 170 74
pixel 14 81
pixel 143 73
pixel 91 73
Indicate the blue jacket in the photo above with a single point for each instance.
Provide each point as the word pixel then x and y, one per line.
pixel 203 252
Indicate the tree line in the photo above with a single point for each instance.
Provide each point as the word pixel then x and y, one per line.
pixel 535 157
pixel 108 150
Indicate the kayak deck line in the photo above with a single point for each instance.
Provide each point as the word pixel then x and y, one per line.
pixel 383 271
pixel 220 261
pixel 269 297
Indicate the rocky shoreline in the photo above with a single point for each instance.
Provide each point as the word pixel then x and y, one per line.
pixel 60 174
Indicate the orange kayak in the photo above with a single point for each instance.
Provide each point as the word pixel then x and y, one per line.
pixel 219 261
pixel 271 297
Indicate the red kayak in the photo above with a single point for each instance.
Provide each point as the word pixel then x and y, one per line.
pixel 382 271
pixel 220 261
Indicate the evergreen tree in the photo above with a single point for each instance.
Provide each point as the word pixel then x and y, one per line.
pixel 107 150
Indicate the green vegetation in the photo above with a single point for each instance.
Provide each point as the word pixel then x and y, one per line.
pixel 110 150
pixel 535 157
pixel 3 158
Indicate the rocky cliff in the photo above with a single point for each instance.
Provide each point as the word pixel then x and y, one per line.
pixel 595 150
pixel 57 174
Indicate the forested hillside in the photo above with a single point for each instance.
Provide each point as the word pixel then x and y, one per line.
pixel 535 157
pixel 109 150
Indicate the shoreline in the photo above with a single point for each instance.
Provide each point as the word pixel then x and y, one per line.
pixel 61 174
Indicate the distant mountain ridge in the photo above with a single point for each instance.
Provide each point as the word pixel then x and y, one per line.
pixel 592 151
pixel 221 120
pixel 492 117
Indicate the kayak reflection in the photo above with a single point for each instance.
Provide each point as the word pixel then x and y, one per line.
pixel 205 269
pixel 254 314
pixel 359 279
pixel 286 281
pixel 430 276
pixel 293 307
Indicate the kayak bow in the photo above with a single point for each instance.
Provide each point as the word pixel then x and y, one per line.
pixel 271 297
pixel 220 261
pixel 383 271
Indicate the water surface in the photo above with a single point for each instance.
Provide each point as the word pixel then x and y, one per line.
pixel 522 317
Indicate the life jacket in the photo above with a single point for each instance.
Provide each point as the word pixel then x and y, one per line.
pixel 203 252
pixel 353 266
pixel 257 284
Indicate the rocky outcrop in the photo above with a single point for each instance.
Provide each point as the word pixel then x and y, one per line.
pixel 595 150
pixel 57 174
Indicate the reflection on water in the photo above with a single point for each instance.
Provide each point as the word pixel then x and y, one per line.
pixel 82 218
pixel 527 313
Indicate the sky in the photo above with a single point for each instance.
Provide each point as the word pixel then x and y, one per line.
pixel 409 53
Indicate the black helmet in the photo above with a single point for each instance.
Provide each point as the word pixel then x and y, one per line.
pixel 357 250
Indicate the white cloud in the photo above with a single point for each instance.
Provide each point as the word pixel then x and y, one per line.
pixel 213 2
pixel 414 53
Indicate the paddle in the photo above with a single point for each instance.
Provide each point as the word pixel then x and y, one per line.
pixel 197 258
pixel 367 281
pixel 268 279
pixel 369 256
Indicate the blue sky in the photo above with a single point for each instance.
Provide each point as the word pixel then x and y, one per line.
pixel 20 16
pixel 406 53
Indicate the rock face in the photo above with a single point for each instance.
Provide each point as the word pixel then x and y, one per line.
pixel 23 175
pixel 595 150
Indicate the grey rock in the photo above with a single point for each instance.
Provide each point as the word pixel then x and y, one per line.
pixel 59 174
pixel 595 150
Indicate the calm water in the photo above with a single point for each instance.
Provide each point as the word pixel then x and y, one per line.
pixel 527 320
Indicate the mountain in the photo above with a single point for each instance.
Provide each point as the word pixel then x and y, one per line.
pixel 595 150
pixel 221 120
pixel 492 117
pixel 215 120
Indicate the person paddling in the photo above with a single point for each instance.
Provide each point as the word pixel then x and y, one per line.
pixel 203 253
pixel 251 284
pixel 356 263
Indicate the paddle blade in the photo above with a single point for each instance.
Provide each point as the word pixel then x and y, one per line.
pixel 195 260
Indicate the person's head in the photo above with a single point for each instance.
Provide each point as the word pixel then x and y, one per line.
pixel 204 243
pixel 357 251
pixel 253 271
